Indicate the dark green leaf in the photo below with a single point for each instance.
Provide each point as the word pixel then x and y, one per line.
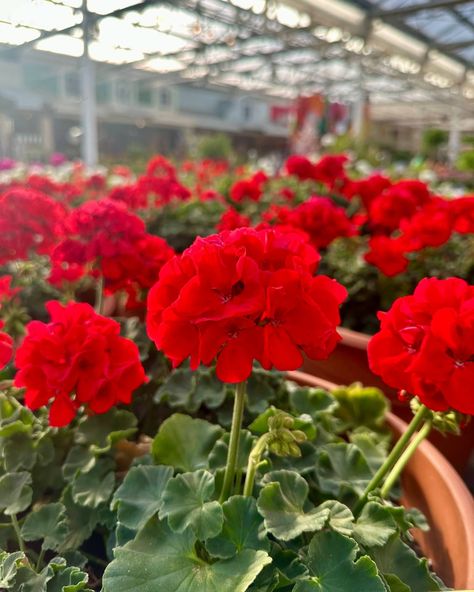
pixel 374 526
pixel 282 504
pixel 397 558
pixel 160 560
pixel 243 529
pixel 139 496
pixel 104 430
pixel 332 566
pixel 47 523
pixel 80 520
pixel 19 453
pixel 184 442
pixel 372 445
pixel 94 487
pixel 218 455
pixel 340 517
pixel 185 502
pixel 15 492
pixel 311 401
pixel 79 458
pixel 178 390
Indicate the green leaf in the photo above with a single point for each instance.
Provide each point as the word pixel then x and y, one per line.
pixel 79 458
pixel 398 559
pixel 15 492
pixel 311 401
pixel 47 523
pixel 332 566
pixel 80 520
pixel 67 579
pixel 218 455
pixel 185 502
pixel 19 453
pixel 161 560
pixel 372 445
pixel 178 389
pixel 243 529
pixel 95 486
pixel 259 392
pixel 14 427
pixel 282 504
pixel 210 390
pixel 395 584
pixel 374 526
pixel 104 430
pixel 340 517
pixel 360 405
pixel 340 468
pixel 139 496
pixel 8 568
pixel 184 442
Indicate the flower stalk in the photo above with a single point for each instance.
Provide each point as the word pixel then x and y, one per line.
pixel 99 295
pixel 404 458
pixel 254 460
pixel 393 457
pixel 237 416
pixel 16 528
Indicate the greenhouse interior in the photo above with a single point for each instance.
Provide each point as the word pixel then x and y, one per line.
pixel 236 295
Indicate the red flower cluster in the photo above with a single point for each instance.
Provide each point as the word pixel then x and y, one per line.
pixel 367 189
pixel 388 254
pixel 231 219
pixel 6 348
pixel 329 170
pixel 251 189
pixel 242 296
pixel 7 293
pixel 426 344
pixel 30 222
pixel 76 360
pixel 319 217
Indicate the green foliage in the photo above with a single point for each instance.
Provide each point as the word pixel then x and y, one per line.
pixel 214 147
pixel 48 523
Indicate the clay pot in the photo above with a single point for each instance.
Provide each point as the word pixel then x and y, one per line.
pixel 348 363
pixel 431 484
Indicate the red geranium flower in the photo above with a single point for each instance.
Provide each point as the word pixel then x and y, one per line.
pixel 76 360
pixel 231 219
pixel 431 226
pixel 462 210
pixel 330 170
pixel 248 188
pixel 426 344
pixel 300 167
pixel 242 296
pixel 396 203
pixel 6 348
pixel 30 222
pixel 367 189
pixel 387 254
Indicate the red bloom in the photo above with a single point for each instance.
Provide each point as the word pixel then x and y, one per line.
pixel 398 202
pixel 242 296
pixel 330 170
pixel 426 344
pixel 30 222
pixel 367 189
pixel 387 254
pixel 7 293
pixel 6 348
pixel 462 210
pixel 76 360
pixel 231 219
pixel 431 226
pixel 300 167
pixel 248 188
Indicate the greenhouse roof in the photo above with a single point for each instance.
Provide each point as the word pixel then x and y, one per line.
pixel 405 51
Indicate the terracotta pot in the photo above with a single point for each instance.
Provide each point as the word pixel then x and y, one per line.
pixel 431 484
pixel 348 363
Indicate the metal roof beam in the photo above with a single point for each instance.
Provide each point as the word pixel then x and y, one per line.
pixel 415 9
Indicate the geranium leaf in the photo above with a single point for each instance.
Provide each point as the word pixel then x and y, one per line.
pixel 311 401
pixel 67 579
pixel 342 468
pixel 184 442
pixel 374 526
pixel 19 453
pixel 178 389
pixel 340 517
pixel 243 529
pixel 47 523
pixel 282 504
pixel 332 566
pixel 210 390
pixel 15 492
pixel 8 567
pixel 94 487
pixel 259 392
pixel 395 584
pixel 139 496
pixel 185 502
pixel 398 559
pixel 359 405
pixel 218 455
pixel 104 430
pixel 79 458
pixel 159 559
pixel 80 520
pixel 372 446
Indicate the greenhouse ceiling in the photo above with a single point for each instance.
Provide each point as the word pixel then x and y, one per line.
pixel 398 51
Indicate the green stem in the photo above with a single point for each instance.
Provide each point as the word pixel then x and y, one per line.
pixel 16 528
pixel 394 455
pixel 40 559
pixel 99 295
pixel 237 415
pixel 404 458
pixel 252 465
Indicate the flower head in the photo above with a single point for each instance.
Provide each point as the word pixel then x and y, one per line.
pixel 242 296
pixel 426 344
pixel 6 348
pixel 76 360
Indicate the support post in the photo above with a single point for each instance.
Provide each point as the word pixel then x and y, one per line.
pixel 454 141
pixel 89 146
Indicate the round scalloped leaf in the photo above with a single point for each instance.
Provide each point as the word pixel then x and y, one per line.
pixel 374 526
pixel 185 502
pixel 15 492
pixel 159 559
pixel 47 523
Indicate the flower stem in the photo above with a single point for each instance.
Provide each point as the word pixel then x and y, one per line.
pixel 99 295
pixel 404 458
pixel 392 458
pixel 237 415
pixel 16 528
pixel 254 460
pixel 40 559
